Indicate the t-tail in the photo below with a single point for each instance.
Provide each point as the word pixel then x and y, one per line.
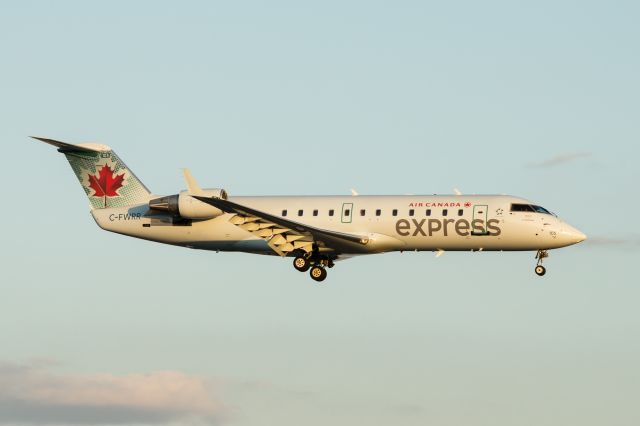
pixel 106 180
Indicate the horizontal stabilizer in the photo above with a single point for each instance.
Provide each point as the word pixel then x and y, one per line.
pixel 67 147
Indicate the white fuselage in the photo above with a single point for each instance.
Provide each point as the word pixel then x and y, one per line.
pixel 389 223
pixel 315 231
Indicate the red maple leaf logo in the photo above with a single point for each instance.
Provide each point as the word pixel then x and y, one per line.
pixel 467 204
pixel 106 183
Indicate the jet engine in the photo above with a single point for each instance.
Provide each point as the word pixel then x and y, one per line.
pixel 185 206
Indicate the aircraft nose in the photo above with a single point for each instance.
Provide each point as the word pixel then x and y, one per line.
pixel 572 235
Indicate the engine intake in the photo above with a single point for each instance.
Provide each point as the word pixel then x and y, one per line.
pixel 185 206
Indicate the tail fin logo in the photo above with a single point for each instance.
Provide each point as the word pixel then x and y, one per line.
pixel 105 183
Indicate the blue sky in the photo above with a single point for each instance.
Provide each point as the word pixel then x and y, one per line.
pixel 536 99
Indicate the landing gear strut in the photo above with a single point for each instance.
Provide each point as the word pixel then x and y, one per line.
pixel 541 255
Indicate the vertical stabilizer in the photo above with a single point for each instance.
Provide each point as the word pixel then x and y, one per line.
pixel 106 180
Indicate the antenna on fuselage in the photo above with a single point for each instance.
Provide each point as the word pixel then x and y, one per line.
pixel 457 191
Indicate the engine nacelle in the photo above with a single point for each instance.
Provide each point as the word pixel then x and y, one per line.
pixel 185 206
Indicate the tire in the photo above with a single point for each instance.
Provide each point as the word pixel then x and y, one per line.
pixel 302 264
pixel 540 270
pixel 318 273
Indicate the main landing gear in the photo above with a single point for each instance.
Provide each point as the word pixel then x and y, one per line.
pixel 541 255
pixel 315 264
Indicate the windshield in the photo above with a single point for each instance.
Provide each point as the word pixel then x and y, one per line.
pixel 529 208
pixel 541 209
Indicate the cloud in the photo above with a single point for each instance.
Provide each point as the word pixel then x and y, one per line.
pixel 627 242
pixel 30 393
pixel 560 159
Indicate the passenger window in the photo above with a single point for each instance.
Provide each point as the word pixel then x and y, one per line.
pixel 331 212
pixel 300 212
pixel 411 212
pixel 284 212
pixel 460 212
pixel 378 212
pixel 362 212
pixel 428 212
pixel 445 212
pixel 395 212
pixel 347 212
pixel 315 212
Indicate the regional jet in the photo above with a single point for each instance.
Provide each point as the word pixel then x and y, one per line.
pixel 314 231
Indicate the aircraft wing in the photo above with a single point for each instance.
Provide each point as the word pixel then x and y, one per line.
pixel 283 235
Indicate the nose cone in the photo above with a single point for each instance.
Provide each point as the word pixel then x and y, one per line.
pixel 571 235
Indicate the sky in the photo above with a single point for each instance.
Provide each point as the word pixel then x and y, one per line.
pixel 535 99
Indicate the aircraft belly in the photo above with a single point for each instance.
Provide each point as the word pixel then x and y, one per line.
pixel 252 245
pixel 214 234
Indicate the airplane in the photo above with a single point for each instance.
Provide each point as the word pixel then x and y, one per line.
pixel 316 231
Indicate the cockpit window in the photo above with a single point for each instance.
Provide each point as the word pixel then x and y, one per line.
pixel 521 208
pixel 529 208
pixel 541 209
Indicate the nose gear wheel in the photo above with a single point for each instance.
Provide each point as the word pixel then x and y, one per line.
pixel 541 255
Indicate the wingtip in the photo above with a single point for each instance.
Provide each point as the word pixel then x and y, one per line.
pixel 192 184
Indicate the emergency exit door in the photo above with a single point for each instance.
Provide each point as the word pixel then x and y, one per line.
pixel 479 213
pixel 347 212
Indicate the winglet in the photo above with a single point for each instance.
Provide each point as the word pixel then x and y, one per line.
pixel 192 185
pixel 354 192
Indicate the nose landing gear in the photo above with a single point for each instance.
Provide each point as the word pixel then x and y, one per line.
pixel 541 255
